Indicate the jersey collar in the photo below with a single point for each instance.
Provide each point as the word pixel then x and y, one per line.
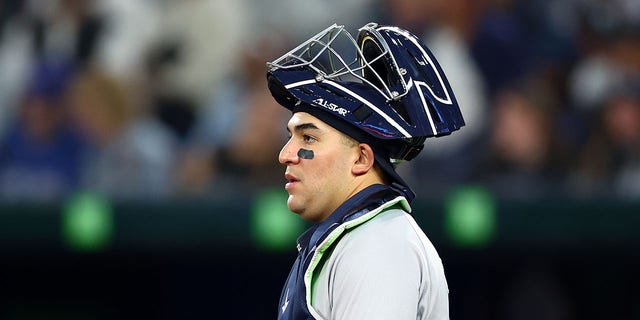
pixel 361 203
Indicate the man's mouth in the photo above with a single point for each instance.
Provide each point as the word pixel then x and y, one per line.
pixel 291 181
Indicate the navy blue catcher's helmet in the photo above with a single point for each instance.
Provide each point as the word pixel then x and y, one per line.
pixel 384 88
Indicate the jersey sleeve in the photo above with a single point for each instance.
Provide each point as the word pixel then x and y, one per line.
pixel 376 273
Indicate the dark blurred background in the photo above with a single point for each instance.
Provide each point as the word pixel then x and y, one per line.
pixel 138 156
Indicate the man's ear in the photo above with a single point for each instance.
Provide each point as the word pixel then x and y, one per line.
pixel 365 160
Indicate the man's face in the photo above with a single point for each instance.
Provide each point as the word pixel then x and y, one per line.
pixel 318 178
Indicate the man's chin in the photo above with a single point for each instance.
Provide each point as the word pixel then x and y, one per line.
pixel 294 205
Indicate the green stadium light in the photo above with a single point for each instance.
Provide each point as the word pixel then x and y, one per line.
pixel 273 226
pixel 470 218
pixel 87 222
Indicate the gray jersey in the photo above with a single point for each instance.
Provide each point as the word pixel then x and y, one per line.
pixel 384 269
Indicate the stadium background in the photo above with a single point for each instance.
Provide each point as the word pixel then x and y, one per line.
pixel 138 156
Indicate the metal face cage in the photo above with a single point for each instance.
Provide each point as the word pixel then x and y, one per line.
pixel 335 54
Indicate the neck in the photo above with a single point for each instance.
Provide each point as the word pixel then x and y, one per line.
pixel 360 183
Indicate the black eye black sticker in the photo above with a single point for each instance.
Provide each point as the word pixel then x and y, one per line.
pixel 305 154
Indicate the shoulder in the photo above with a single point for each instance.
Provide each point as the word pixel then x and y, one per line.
pixel 391 241
pixel 392 229
pixel 382 269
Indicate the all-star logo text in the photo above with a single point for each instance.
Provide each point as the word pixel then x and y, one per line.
pixel 331 106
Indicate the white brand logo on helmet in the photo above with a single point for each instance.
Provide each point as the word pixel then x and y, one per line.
pixel 331 106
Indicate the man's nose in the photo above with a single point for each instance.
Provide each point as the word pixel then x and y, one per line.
pixel 288 155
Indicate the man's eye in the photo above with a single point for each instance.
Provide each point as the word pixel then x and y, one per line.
pixel 308 139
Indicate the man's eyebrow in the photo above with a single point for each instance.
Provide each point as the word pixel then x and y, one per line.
pixel 304 126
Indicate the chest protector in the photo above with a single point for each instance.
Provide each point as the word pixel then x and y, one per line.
pixel 295 299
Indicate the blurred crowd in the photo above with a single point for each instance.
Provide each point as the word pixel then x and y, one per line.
pixel 159 99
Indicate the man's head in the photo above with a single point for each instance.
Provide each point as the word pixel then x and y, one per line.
pixel 385 91
pixel 325 167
